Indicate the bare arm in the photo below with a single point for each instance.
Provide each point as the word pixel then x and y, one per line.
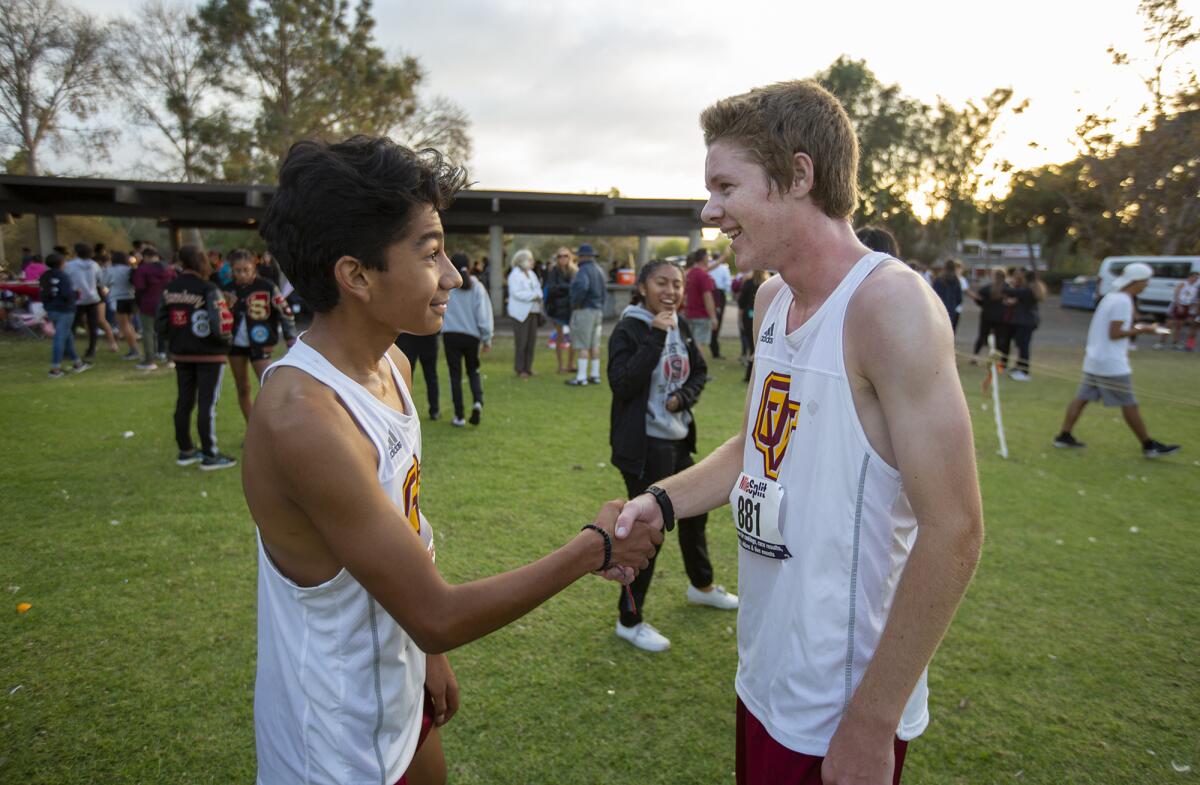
pixel 706 485
pixel 331 477
pixel 913 376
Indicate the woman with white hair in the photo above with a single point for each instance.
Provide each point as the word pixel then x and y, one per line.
pixel 524 307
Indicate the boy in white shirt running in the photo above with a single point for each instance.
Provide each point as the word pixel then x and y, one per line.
pixel 1107 375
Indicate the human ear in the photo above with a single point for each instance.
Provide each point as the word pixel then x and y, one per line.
pixel 351 277
pixel 802 175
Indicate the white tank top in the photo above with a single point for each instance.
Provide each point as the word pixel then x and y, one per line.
pixel 340 685
pixel 808 625
pixel 1188 292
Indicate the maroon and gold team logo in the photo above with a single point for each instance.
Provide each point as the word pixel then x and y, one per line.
pixel 775 421
pixel 412 495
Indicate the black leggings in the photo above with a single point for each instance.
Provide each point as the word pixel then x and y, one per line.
pixel 423 349
pixel 986 327
pixel 460 347
pixel 89 317
pixel 1023 335
pixel 205 379
pixel 664 458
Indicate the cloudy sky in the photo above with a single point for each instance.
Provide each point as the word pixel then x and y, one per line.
pixel 569 95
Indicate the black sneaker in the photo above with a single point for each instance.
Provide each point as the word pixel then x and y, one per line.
pixel 56 373
pixel 576 382
pixel 1153 449
pixel 593 380
pixel 81 366
pixel 433 415
pixel 187 457
pixel 218 461
pixel 1065 439
pixel 476 413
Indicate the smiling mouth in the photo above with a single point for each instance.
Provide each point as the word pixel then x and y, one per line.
pixel 733 234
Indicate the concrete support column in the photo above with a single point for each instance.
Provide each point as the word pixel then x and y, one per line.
pixel 47 234
pixel 495 267
pixel 643 255
pixel 693 240
pixel 176 239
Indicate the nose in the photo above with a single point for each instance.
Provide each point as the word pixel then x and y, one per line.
pixel 713 211
pixel 450 276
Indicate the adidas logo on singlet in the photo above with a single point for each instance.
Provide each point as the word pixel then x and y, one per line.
pixel 768 335
pixel 394 445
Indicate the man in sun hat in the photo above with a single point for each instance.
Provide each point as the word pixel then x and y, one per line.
pixel 587 315
pixel 1107 375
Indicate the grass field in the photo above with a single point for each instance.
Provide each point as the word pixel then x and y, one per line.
pixel 1074 658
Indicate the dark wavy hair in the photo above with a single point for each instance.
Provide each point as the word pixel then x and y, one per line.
pixel 879 239
pixel 354 198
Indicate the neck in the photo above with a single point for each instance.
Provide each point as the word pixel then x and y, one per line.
pixel 817 258
pixel 350 342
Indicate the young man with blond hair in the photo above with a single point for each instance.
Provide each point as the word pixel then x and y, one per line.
pixel 856 437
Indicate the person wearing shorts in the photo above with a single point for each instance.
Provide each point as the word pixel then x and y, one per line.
pixel 587 316
pixel 260 314
pixel 1107 375
pixel 854 462
pixel 353 617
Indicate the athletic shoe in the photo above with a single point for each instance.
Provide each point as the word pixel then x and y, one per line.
pixel 218 461
pixel 81 366
pixel 161 357
pixel 1153 449
pixel 643 636
pixel 433 415
pixel 476 413
pixel 171 364
pixel 458 422
pixel 593 380
pixel 577 382
pixel 146 367
pixel 1019 376
pixel 1065 439
pixel 187 457
pixel 56 373
pixel 717 598
pixel 131 356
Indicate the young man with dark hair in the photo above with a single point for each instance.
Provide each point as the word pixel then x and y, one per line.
pixel 855 438
pixel 199 327
pixel 353 617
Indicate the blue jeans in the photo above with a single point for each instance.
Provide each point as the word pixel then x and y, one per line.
pixel 64 338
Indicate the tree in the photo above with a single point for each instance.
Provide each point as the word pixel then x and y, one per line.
pixel 1169 30
pixel 440 124
pixel 960 140
pixel 168 84
pixel 311 72
pixel 51 67
pixel 891 139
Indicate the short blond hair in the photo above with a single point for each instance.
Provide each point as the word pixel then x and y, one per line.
pixel 775 122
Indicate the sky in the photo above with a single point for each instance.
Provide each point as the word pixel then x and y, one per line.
pixel 570 95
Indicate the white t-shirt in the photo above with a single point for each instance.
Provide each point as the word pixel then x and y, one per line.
pixel 1106 357
pixel 722 278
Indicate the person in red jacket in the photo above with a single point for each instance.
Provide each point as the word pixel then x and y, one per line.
pixel 199 328
pixel 260 313
pixel 149 279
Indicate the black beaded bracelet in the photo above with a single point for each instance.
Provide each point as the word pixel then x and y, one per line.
pixel 607 545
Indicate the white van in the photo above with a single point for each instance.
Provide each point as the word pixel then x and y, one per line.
pixel 1168 272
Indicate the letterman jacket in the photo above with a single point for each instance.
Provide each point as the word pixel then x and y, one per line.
pixel 194 317
pixel 262 311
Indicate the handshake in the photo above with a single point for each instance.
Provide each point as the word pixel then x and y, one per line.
pixel 629 533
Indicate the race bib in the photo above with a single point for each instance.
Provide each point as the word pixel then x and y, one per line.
pixel 756 502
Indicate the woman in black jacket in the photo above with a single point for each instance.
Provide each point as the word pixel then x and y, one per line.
pixel 656 373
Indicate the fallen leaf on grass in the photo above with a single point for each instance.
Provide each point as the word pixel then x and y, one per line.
pixel 13 691
pixel 204 494
pixel 114 522
pixel 1091 539
pixel 23 607
pixel 1182 768
pixel 963 704
pixel 1134 530
pixel 612 692
pixel 1058 542
pixel 128 434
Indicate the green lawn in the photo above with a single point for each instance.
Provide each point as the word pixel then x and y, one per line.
pixel 1073 660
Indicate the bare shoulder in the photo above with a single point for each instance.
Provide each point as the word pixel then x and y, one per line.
pixel 298 417
pixel 896 324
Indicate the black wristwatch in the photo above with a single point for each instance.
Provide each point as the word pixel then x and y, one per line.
pixel 664 504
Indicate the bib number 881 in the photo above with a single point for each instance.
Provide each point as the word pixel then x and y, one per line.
pixel 749 513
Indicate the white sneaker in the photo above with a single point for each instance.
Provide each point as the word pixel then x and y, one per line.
pixel 458 422
pixel 717 598
pixel 643 636
pixel 1019 376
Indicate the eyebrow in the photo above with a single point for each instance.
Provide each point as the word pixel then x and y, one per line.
pixel 433 234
